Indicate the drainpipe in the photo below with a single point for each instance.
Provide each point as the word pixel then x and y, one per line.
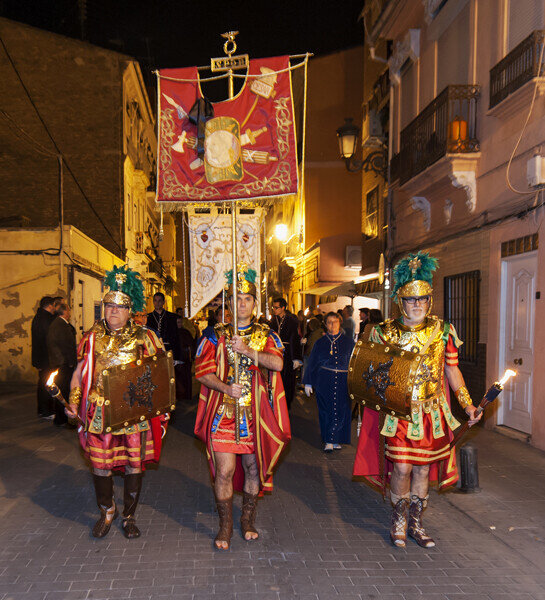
pixel 61 222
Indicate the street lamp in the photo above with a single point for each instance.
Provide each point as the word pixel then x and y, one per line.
pixel 348 135
pixel 281 232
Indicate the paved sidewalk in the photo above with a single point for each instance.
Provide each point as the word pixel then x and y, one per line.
pixel 322 536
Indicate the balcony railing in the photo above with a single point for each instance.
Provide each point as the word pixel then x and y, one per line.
pixel 447 125
pixel 517 68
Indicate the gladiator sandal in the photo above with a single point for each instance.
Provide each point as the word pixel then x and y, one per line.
pixel 247 518
pixel 225 513
pixel 416 530
pixel 398 528
pixel 104 489
pixel 131 495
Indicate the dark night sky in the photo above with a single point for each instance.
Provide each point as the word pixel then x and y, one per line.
pixel 178 33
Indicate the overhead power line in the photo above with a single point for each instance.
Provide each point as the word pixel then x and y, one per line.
pixel 59 153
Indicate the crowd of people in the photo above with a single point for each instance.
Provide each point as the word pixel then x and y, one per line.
pixel 248 380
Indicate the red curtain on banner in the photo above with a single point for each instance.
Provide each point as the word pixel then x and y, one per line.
pixel 247 144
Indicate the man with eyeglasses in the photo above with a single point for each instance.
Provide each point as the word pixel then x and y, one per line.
pixel 115 340
pixel 285 324
pixel 409 455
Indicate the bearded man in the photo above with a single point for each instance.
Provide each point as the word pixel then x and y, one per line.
pixel 417 452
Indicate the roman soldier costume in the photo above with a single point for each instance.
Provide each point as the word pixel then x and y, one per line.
pixel 422 437
pixel 135 444
pixel 257 422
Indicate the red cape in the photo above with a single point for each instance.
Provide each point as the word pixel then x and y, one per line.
pixel 367 462
pixel 270 425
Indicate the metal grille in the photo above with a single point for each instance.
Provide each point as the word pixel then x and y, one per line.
pixel 462 310
pixel 517 68
pixel 448 124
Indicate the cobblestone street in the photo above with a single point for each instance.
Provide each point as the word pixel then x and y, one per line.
pixel 323 536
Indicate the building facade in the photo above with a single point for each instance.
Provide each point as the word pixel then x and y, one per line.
pixel 77 163
pixel 321 245
pixel 466 135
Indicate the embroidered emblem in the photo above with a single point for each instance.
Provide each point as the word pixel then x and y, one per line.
pixel 141 393
pixel 379 378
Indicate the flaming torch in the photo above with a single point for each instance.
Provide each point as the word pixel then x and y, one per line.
pixel 492 393
pixel 56 393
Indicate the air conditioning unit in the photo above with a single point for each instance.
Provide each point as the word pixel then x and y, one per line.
pixel 353 257
pixel 139 242
pixel 373 134
pixel 535 171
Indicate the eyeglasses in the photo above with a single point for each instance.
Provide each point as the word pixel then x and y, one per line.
pixel 412 301
pixel 276 307
pixel 115 306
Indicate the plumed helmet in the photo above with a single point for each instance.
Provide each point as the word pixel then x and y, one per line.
pixel 245 280
pixel 125 288
pixel 413 275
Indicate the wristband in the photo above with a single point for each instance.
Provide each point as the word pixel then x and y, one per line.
pixel 75 396
pixel 463 397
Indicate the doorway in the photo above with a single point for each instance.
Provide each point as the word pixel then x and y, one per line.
pixel 517 323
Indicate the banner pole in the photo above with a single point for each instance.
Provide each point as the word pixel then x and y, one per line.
pixel 235 309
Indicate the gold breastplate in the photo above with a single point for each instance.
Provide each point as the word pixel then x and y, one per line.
pixel 428 385
pixel 114 348
pixel 255 337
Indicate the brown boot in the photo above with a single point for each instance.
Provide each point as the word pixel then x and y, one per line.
pixel 247 518
pixel 104 490
pixel 398 527
pixel 416 530
pixel 131 495
pixel 225 513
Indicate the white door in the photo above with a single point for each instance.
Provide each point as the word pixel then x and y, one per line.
pixel 518 310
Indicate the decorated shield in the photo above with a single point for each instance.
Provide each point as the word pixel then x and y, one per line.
pixel 382 377
pixel 138 391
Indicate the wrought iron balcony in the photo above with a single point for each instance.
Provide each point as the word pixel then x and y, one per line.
pixel 517 68
pixel 448 125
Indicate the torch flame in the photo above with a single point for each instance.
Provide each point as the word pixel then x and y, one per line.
pixel 51 379
pixel 506 376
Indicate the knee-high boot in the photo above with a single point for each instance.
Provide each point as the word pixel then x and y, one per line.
pixel 225 513
pixel 247 517
pixel 416 529
pixel 398 527
pixel 131 495
pixel 104 490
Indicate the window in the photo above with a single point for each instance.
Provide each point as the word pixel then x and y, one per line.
pixel 524 17
pixel 462 310
pixel 371 214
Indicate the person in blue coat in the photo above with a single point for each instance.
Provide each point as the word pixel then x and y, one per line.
pixel 327 375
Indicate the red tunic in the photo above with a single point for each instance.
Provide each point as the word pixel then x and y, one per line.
pixel 117 450
pixel 433 448
pixel 268 427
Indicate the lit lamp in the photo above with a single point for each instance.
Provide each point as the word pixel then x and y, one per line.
pixel 348 135
pixel 281 232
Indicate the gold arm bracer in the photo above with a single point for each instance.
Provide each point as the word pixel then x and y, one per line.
pixel 463 397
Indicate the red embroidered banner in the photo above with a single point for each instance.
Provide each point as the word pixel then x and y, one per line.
pixel 249 148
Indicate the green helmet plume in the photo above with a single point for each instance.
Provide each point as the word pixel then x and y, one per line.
pixel 414 267
pixel 125 280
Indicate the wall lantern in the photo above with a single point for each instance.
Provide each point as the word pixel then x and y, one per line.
pixel 281 232
pixel 348 135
